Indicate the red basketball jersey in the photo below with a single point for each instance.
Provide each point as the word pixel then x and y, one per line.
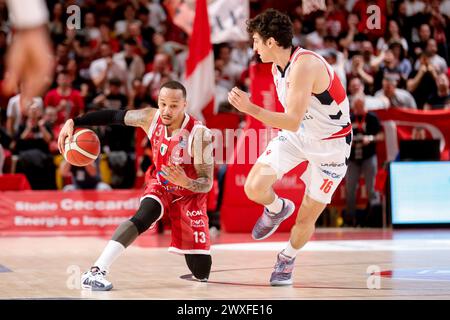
pixel 175 149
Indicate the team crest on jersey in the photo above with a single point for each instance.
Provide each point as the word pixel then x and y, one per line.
pixel 163 149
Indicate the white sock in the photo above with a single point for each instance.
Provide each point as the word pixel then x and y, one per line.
pixel 111 252
pixel 276 205
pixel 290 251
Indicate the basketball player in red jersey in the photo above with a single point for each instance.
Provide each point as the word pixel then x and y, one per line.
pixel 315 127
pixel 177 185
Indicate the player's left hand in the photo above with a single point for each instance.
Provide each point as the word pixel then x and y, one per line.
pixel 176 175
pixel 239 99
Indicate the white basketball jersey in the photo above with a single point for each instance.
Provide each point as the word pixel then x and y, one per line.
pixel 328 114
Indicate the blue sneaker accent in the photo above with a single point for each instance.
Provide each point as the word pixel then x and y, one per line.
pixel 269 222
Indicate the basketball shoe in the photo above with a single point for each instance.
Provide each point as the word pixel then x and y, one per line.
pixel 95 280
pixel 269 222
pixel 282 275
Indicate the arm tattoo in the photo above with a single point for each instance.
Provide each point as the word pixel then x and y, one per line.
pixel 140 118
pixel 203 162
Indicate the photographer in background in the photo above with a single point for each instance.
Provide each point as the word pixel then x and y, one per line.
pixel 363 158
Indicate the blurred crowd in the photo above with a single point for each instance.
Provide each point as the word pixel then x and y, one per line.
pixel 126 49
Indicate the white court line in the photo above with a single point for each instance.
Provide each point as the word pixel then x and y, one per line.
pixel 345 245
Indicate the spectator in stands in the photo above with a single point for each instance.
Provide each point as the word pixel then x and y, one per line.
pixel 143 15
pixel 241 54
pixel 439 63
pixel 112 98
pixel 419 44
pixel 400 55
pixel 134 32
pixel 68 101
pixel 390 66
pixel 50 119
pixel 131 62
pixel 106 36
pixel 360 70
pixel 398 98
pixel 299 39
pixel 138 97
pixel 422 82
pixel 351 39
pixel 105 68
pixel 61 56
pixel 356 88
pixel 157 15
pixel 16 111
pixel 440 99
pixel 32 147
pixel 57 24
pixel 121 26
pixel 172 49
pixel 363 158
pixel 392 35
pixel 315 39
pixel 161 70
pixel 92 33
pixel 230 70
pixel 83 178
pixel 439 24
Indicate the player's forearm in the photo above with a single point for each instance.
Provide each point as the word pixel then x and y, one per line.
pixel 199 185
pixel 279 120
pixel 205 174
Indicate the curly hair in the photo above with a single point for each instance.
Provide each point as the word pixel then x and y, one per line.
pixel 272 23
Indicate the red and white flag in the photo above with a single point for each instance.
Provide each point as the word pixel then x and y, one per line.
pixel 200 80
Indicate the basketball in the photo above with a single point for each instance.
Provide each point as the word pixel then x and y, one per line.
pixel 83 149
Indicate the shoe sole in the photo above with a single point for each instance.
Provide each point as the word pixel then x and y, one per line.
pixel 276 227
pixel 86 287
pixel 281 283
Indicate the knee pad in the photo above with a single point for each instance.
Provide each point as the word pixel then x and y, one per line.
pixel 199 264
pixel 148 213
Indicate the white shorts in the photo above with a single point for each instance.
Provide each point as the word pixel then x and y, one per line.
pixel 327 161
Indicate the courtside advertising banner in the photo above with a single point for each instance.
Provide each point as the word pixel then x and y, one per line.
pixel 77 213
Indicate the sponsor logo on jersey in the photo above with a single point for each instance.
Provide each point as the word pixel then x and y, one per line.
pixel 194 213
pixel 268 152
pixel 163 149
pixel 332 164
pixel 197 224
pixel 308 117
pixel 332 174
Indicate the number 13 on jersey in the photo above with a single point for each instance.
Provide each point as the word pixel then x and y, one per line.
pixel 199 237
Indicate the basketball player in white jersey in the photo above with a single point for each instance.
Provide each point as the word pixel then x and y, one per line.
pixel 315 127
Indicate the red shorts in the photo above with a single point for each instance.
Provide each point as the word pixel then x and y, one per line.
pixel 188 215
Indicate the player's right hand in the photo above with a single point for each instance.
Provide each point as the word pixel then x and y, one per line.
pixel 66 132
